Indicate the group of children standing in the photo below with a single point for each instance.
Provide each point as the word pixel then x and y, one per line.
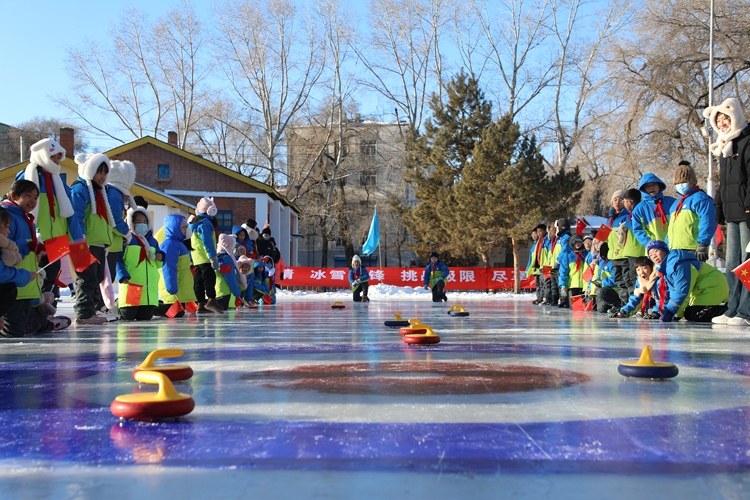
pixel 648 260
pixel 111 235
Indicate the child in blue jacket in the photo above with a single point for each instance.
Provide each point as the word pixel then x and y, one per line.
pixel 358 280
pixel 650 218
pixel 203 243
pixel 436 276
pixel 228 278
pixel 692 219
pixel 644 300
pixel 176 280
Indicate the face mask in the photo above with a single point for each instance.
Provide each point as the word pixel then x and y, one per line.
pixel 682 188
pixel 141 229
pixel 266 236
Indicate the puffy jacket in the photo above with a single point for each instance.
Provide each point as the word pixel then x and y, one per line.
pixel 572 266
pixel 432 274
pixel 635 301
pixel 690 283
pixel 648 222
pixel 604 272
pixel 227 283
pixel 96 229
pixel 557 247
pixel 692 221
pixel 358 273
pixel 613 241
pixel 247 243
pixel 117 204
pixel 51 227
pixel 140 268
pixel 203 239
pixel 734 191
pixel 176 279
pixel 20 233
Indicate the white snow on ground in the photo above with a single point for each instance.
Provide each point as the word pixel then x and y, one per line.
pixel 388 292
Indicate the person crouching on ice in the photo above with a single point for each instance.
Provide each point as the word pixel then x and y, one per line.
pixel 435 275
pixel 687 287
pixel 358 277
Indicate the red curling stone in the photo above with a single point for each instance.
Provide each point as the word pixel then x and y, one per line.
pixel 151 410
pixel 175 373
pixel 412 331
pixel 421 339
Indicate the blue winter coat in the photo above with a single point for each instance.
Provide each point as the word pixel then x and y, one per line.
pixel 440 272
pixel 568 261
pixel 646 225
pixel 359 273
pixel 247 243
pixel 634 302
pixel 117 204
pixel 230 278
pixel 694 225
pixel 203 229
pixel 691 282
pixel 21 235
pixel 564 248
pixel 173 248
pixel 122 271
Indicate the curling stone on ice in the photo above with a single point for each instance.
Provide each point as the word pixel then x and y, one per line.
pixel 428 337
pixel 414 327
pixel 338 305
pixel 175 372
pixel 646 367
pixel 458 310
pixel 398 323
pixel 166 403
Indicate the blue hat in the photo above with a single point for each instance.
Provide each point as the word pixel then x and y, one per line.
pixel 658 245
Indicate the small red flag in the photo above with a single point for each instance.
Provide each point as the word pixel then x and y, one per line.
pixel 603 233
pixel 719 236
pixel 57 248
pixel 80 255
pixel 580 226
pixel 238 303
pixel 191 307
pixel 743 273
pixel 174 309
pixel 133 297
pixel 546 270
pixel 588 273
pixel 225 269
pixel 589 305
pixel 576 303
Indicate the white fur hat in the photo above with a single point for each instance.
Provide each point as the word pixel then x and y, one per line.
pixel 88 164
pixel 42 152
pixel 226 243
pixel 139 210
pixel 733 109
pixel 122 177
pixel 356 259
pixel 617 193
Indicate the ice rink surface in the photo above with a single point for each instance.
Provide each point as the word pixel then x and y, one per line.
pixel 298 400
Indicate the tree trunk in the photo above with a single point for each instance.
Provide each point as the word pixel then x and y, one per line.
pixel 516 274
pixel 324 251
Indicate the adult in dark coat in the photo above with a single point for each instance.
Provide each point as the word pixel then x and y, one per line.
pixel 732 148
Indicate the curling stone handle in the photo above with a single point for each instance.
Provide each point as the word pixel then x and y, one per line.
pixel 398 316
pixel 167 392
pixel 160 353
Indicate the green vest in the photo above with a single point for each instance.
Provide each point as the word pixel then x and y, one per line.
pixel 32 290
pixel 46 225
pixel 199 254
pixel 145 274
pixel 98 230
pixel 118 241
pixel 185 291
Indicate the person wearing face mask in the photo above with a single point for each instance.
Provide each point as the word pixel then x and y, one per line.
pixel 139 267
pixel 692 218
pixel 263 244
pixel 732 149
pixel 175 278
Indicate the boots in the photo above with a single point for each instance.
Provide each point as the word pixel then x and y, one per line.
pixel 202 309
pixel 213 306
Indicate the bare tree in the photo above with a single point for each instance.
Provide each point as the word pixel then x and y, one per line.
pixel 272 59
pixel 147 80
pixel 29 132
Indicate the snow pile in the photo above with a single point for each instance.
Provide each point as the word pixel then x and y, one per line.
pixel 392 292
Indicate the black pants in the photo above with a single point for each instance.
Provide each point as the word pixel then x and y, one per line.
pixel 88 294
pixel 8 294
pixel 204 282
pixel 551 290
pixel 224 301
pixel 438 293
pixel 162 308
pixel 21 317
pixel 112 258
pixel 362 289
pixel 703 314
pixel 136 313
pixel 606 299
pixel 49 280
pixel 624 278
pixel 539 282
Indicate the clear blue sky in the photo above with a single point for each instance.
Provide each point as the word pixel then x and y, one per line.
pixel 34 36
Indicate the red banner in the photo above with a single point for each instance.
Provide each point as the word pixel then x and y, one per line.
pixel 460 278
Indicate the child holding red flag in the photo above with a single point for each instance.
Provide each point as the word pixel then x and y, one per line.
pixel 176 279
pixel 203 242
pixel 54 213
pixel 22 318
pixel 229 280
pixel 138 269
pixel 94 215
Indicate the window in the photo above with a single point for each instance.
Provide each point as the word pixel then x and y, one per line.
pixel 224 219
pixel 163 171
pixel 368 178
pixel 369 148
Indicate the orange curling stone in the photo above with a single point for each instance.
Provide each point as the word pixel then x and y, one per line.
pixel 166 403
pixel 428 337
pixel 414 327
pixel 338 305
pixel 175 372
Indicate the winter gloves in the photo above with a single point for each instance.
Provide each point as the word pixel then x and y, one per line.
pixel 701 253
pixel 651 315
pixel 215 264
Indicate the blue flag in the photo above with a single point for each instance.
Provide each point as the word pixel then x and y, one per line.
pixel 373 238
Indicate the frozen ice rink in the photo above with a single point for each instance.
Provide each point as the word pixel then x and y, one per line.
pixel 298 400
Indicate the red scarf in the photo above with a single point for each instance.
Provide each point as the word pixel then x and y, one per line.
pixel 143 255
pixel 50 193
pixel 101 208
pixel 553 243
pixel 539 245
pixel 682 200
pixel 29 220
pixel 646 302
pixel 663 292
pixel 579 261
pixel 659 211
pixel 612 219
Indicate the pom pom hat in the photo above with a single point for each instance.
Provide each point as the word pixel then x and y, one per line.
pixel 657 245
pixel 685 173
pixel 88 164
